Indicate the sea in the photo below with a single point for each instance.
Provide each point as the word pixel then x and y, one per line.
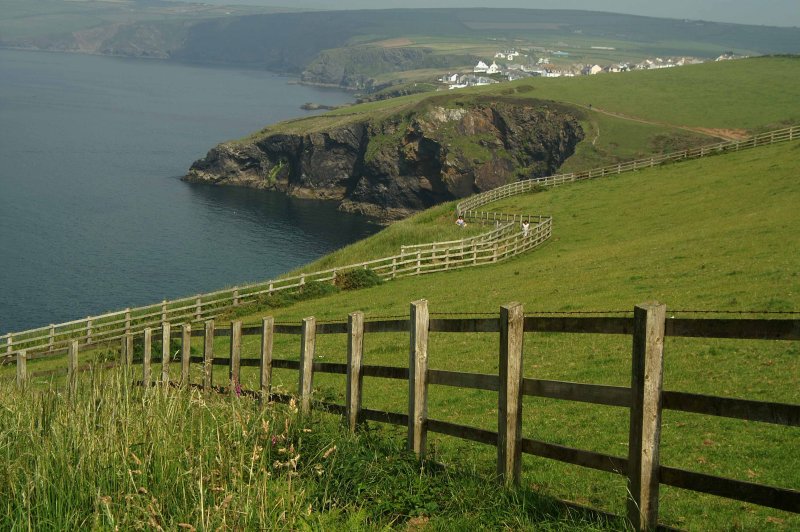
pixel 93 214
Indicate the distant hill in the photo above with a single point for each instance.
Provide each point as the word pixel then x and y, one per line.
pixel 335 41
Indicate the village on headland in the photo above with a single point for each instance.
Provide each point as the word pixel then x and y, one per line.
pixel 512 65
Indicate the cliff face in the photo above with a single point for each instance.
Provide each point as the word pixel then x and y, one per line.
pixel 404 163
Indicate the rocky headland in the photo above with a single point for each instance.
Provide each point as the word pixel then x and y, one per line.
pixel 390 167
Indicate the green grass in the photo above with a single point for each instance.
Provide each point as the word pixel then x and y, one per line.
pixel 713 234
pixel 114 456
pixel 716 234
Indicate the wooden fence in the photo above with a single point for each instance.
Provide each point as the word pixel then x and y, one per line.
pixel 645 398
pixel 468 206
pixel 505 241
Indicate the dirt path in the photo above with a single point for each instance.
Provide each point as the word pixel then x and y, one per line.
pixel 724 134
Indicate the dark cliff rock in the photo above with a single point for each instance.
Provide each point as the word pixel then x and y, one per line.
pixel 404 163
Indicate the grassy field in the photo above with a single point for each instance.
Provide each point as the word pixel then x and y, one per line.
pixel 715 234
pixel 712 234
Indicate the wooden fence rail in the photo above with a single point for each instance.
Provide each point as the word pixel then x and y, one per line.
pixel 645 398
pixel 503 242
pixel 469 205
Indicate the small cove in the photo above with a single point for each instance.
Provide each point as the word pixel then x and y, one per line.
pixel 93 215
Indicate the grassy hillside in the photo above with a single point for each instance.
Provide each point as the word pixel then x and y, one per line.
pixel 714 234
pixel 681 233
pixel 711 234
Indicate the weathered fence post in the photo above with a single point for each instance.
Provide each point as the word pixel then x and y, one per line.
pixel 9 344
pixel 355 346
pixel 88 331
pixel 186 352
pixel 198 308
pixel 308 339
pixel 509 404
pixel 645 422
pixel 163 310
pixel 147 357
pixel 22 369
pixel 208 356
pixel 72 367
pixel 128 349
pixel 236 297
pixel 419 260
pixel 51 340
pixel 127 321
pixel 418 378
pixel 166 332
pixel 234 364
pixel 267 333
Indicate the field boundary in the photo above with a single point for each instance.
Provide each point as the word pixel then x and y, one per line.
pixel 506 240
pixel 645 398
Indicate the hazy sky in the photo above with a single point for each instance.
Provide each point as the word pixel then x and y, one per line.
pixel 764 12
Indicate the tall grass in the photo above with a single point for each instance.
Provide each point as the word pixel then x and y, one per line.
pixel 115 456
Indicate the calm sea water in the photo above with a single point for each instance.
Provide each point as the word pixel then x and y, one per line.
pixel 93 216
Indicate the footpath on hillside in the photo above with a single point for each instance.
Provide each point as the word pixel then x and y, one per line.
pixel 724 134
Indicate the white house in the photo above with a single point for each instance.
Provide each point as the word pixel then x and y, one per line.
pixel 450 78
pixel 493 68
pixel 481 68
pixel 596 69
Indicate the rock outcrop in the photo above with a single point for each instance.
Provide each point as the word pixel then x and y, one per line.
pixel 392 167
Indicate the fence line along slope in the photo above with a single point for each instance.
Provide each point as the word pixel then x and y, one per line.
pixel 503 241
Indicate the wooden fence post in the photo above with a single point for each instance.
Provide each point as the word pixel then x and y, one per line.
pixel 418 378
pixel 166 332
pixel 198 308
pixel 147 357
pixel 72 367
pixel 9 344
pixel 128 349
pixel 208 356
pixel 235 362
pixel 645 423
pixel 236 297
pixel 267 333
pixel 308 339
pixel 186 352
pixel 22 369
pixel 88 331
pixel 509 407
pixel 163 310
pixel 355 347
pixel 127 321
pixel 51 340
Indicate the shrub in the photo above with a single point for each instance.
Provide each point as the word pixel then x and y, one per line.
pixel 315 289
pixel 355 279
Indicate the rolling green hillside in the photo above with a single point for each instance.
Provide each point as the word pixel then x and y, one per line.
pixel 714 234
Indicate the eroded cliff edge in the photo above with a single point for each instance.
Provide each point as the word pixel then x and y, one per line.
pixel 390 167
